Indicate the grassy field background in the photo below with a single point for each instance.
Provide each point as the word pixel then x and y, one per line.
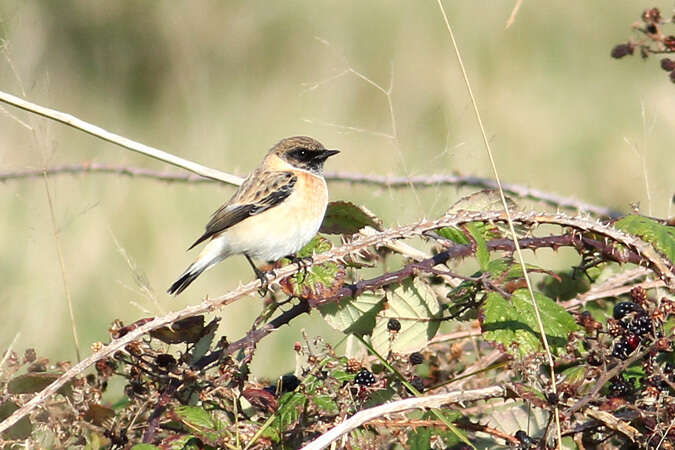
pixel 221 82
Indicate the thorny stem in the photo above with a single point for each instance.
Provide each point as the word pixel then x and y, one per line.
pixel 632 244
pixel 391 182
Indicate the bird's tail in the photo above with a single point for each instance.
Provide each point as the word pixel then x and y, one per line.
pixel 184 281
pixel 211 255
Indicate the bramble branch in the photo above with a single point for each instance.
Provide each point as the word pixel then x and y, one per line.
pixel 391 182
pixel 633 244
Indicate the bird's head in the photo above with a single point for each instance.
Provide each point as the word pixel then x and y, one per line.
pixel 303 152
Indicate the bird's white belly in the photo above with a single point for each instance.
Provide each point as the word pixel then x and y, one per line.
pixel 284 229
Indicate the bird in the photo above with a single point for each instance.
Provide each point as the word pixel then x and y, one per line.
pixel 275 212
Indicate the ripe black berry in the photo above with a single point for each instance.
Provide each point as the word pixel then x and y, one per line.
pixel 165 360
pixel 658 382
pixel 641 325
pixel 393 325
pixel 622 349
pixel 624 308
pixel 365 377
pixel 289 383
pixel 620 388
pixel 417 383
pixel 525 440
pixel 416 358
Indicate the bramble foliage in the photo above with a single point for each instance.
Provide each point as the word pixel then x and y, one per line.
pixel 427 325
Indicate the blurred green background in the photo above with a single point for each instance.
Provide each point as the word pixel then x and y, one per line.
pixel 220 82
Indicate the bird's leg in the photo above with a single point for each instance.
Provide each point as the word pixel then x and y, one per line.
pixel 262 276
pixel 303 263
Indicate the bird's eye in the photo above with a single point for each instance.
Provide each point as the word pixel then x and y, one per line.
pixel 301 154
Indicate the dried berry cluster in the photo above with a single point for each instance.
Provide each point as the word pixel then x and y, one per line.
pixel 653 40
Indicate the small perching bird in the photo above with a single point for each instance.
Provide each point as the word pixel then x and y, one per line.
pixel 274 213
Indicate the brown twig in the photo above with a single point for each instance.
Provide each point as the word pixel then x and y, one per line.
pixel 414 423
pixel 619 284
pixel 393 182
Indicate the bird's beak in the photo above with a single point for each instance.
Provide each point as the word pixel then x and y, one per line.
pixel 325 154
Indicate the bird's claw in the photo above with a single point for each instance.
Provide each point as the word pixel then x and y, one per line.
pixel 303 263
pixel 264 278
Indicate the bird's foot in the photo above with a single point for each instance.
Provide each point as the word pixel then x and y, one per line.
pixel 264 278
pixel 303 263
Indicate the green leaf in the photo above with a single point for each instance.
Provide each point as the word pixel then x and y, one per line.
pixel 414 304
pixel 506 269
pixel 568 443
pixel 196 417
pixel 32 382
pixel 419 438
pixel 188 330
pixel 513 323
pixel 20 430
pixel 662 237
pixel 182 443
pixel 291 404
pixel 566 287
pixel 144 447
pixel 204 344
pixel 454 234
pixel 325 403
pixel 348 218
pixel 574 375
pixel 379 397
pixel 342 375
pixel 317 281
pixel 353 316
pixel 478 232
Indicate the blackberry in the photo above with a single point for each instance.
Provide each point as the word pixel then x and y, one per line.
pixel 622 309
pixel 641 325
pixel 417 383
pixel 393 325
pixel 659 383
pixel 622 349
pixel 416 358
pixel 619 387
pixel 525 440
pixel 289 383
pixel 165 360
pixel 365 377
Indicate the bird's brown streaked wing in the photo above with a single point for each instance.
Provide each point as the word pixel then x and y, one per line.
pixel 259 192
